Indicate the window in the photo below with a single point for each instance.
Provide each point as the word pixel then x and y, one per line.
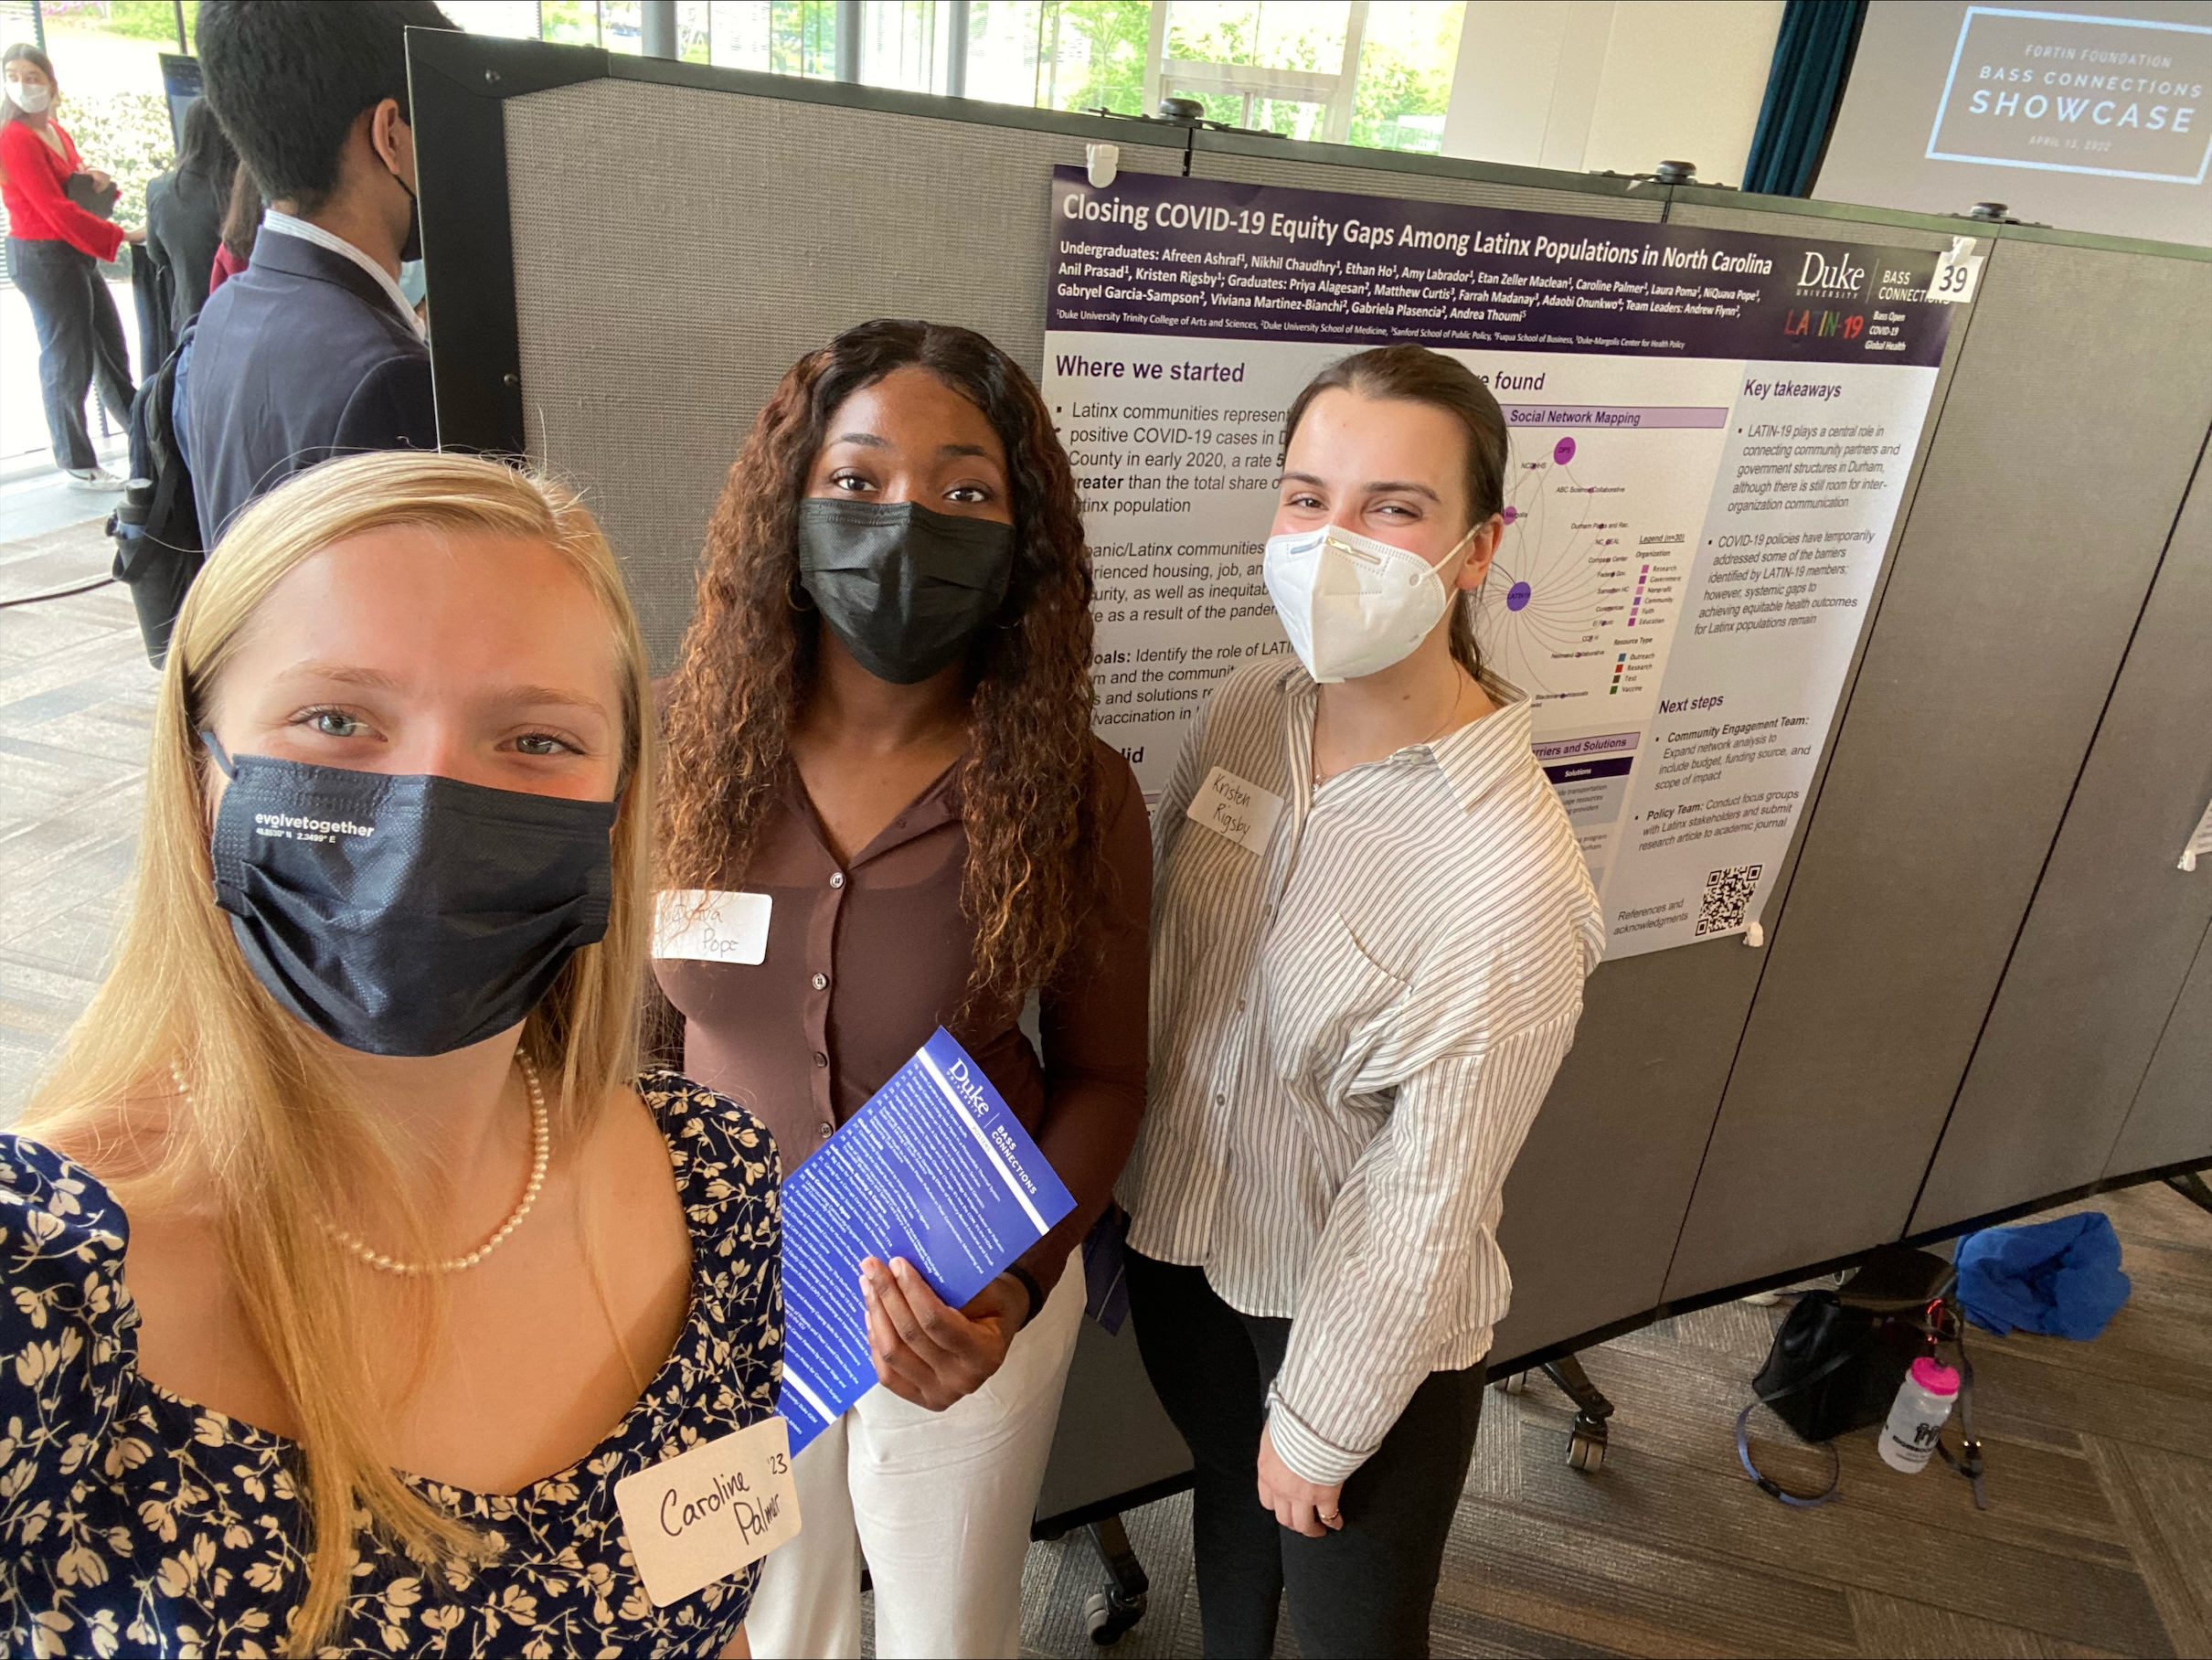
pixel 903 43
pixel 1280 68
pixel 1372 72
pixel 563 22
pixel 1405 75
pixel 519 19
pixel 1376 74
pixel 622 25
pixel 106 62
pixel 774 37
pixel 1060 56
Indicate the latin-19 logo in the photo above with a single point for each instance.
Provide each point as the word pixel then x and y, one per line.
pixel 1824 325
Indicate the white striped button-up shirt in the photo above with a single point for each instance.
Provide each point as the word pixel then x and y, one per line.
pixel 1352 1031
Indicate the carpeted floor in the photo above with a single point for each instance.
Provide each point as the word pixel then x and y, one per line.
pixel 2098 1539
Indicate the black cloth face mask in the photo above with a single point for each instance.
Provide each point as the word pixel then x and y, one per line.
pixel 905 589
pixel 406 915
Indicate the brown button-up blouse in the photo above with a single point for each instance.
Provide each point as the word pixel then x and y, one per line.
pixel 866 960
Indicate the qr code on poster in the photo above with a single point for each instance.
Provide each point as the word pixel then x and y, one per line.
pixel 1727 895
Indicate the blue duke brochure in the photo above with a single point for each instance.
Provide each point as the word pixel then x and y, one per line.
pixel 936 1169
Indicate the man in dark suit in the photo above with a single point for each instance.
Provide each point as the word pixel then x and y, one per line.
pixel 311 351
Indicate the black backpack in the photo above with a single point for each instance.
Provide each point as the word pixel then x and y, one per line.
pixel 156 530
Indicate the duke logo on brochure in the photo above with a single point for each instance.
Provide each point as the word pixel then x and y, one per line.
pixel 967 1087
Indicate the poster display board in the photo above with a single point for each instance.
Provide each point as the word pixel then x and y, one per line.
pixel 1710 437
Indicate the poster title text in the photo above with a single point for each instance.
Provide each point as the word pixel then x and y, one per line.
pixel 1322 231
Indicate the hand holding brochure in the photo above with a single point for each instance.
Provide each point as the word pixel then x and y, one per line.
pixel 936 1169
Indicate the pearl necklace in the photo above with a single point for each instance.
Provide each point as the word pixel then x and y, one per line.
pixel 541 1148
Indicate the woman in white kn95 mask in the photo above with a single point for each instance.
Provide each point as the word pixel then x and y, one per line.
pixel 1370 928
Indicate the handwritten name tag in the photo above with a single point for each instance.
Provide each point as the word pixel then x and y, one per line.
pixel 710 926
pixel 705 1513
pixel 1242 812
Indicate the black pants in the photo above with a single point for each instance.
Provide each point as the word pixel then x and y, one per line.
pixel 79 339
pixel 1364 1590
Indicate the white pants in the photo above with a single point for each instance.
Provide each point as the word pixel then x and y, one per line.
pixel 937 1504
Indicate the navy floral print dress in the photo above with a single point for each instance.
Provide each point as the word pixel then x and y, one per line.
pixel 133 1522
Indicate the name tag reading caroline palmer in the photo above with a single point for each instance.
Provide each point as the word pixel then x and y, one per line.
pixel 708 926
pixel 1229 806
pixel 705 1513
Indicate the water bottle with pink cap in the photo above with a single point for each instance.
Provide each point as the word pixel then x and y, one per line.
pixel 1917 1418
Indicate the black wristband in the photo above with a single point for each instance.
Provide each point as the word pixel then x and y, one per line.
pixel 1028 1282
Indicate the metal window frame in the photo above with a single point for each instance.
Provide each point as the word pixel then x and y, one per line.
pixel 184 39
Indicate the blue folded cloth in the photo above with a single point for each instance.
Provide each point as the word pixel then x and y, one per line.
pixel 2061 1278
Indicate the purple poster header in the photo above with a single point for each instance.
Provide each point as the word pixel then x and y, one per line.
pixel 1150 254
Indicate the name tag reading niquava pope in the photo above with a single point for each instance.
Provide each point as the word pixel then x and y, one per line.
pixel 1244 813
pixel 709 926
pixel 705 1513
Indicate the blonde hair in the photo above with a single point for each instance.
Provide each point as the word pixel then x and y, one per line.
pixel 271 1132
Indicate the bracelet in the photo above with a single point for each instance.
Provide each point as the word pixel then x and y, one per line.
pixel 1028 1282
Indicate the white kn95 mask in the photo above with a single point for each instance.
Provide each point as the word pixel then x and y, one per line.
pixel 1353 605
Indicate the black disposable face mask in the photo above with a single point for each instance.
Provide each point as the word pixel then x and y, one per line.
pixel 406 915
pixel 411 250
pixel 905 589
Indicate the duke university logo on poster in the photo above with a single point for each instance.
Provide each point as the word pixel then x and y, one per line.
pixel 1830 276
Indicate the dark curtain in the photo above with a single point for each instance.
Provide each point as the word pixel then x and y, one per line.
pixel 1812 63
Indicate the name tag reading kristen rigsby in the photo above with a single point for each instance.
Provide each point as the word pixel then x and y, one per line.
pixel 1244 813
pixel 708 926
pixel 705 1513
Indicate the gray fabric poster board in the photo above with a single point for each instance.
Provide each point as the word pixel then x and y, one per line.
pixel 2014 731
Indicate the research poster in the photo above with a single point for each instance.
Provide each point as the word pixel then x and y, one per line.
pixel 1710 436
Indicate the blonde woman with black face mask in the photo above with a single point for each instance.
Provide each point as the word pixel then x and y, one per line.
pixel 349 1265
pixel 1370 928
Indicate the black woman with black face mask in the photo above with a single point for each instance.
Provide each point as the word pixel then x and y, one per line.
pixel 880 731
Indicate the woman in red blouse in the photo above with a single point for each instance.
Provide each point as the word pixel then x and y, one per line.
pixel 54 248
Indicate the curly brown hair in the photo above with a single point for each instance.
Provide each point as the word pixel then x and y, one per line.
pixel 1029 785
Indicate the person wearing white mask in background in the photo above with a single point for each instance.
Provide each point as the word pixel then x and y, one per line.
pixel 55 245
pixel 1371 924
